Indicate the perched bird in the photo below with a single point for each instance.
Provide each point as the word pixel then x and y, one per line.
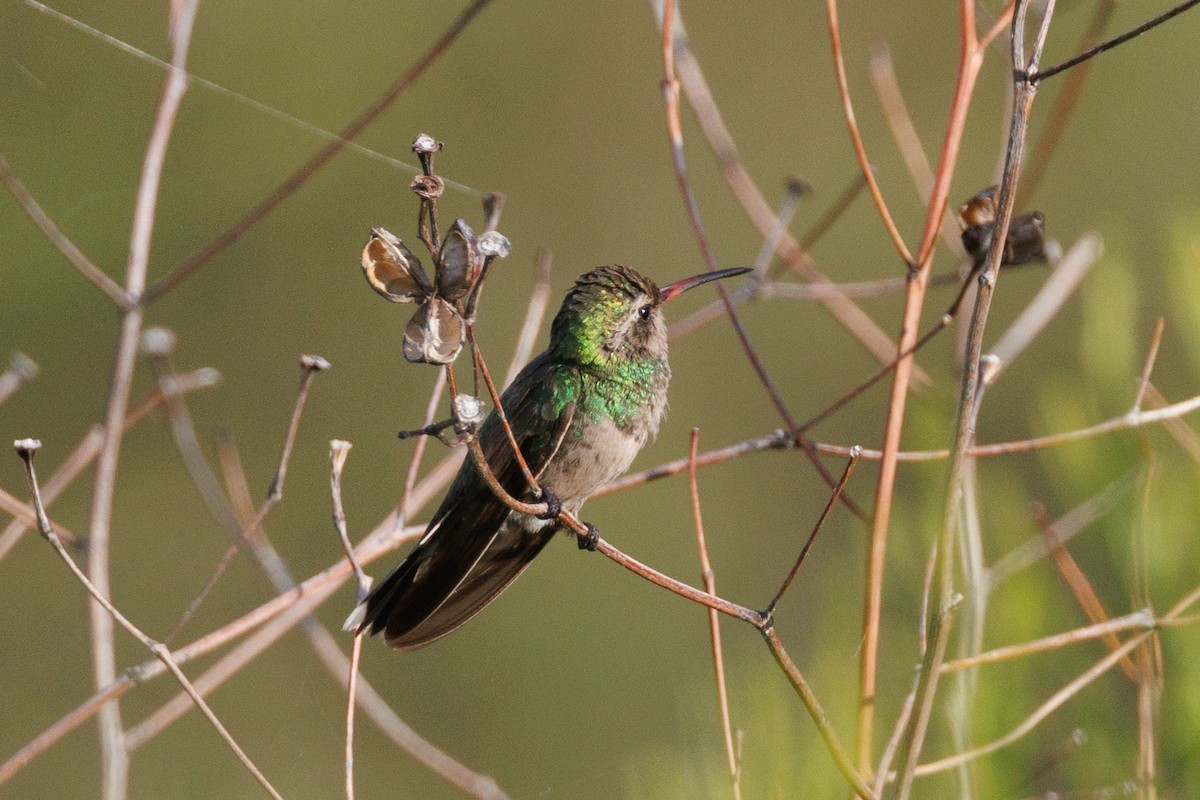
pixel 580 412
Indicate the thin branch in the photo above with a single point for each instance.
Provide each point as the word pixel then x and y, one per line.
pixel 967 407
pixel 860 150
pixel 1085 595
pixel 1033 720
pixel 714 625
pixel 309 366
pixel 98 277
pixel 1148 365
pixel 1138 620
pixel 1038 161
pixel 319 159
pixel 904 132
pixel 832 743
pixel 670 92
pixel 759 211
pixel 970 62
pixel 26 448
pixel 328 649
pixel 114 757
pixel 855 452
pixel 89 447
pixel 1114 42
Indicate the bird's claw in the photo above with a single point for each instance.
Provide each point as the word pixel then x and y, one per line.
pixel 589 540
pixel 553 505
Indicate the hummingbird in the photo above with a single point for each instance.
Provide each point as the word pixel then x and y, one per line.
pixel 580 412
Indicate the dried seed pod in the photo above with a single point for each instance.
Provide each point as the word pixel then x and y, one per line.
pixel 457 262
pixel 393 270
pixel 434 335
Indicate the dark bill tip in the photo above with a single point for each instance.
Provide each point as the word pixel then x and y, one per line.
pixel 679 287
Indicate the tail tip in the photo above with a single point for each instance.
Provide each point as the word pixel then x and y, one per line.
pixel 354 622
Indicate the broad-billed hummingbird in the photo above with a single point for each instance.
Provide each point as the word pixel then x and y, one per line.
pixel 580 412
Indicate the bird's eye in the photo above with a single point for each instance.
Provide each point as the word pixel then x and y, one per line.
pixel 644 313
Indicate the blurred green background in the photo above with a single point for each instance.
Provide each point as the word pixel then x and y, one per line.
pixel 582 681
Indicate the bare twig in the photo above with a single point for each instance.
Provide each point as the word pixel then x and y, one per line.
pixel 309 366
pixel 1086 596
pixel 860 150
pixel 89 447
pixel 1138 620
pixel 1033 720
pixel 834 745
pixel 114 758
pixel 714 625
pixel 26 448
pixel 759 211
pixel 1148 365
pixel 855 452
pixel 967 407
pixel 98 277
pixel 319 159
pixel 970 61
pixel 1115 41
pixel 338 450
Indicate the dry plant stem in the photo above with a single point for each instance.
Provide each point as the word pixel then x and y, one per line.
pixel 860 150
pixel 89 448
pixel 914 734
pixel 26 448
pixel 73 254
pixel 310 366
pixel 834 745
pixel 759 211
pixel 1033 720
pixel 351 691
pixel 1115 41
pixel 301 602
pixel 1088 600
pixel 338 450
pixel 184 431
pixel 970 61
pixel 1148 366
pixel 114 758
pixel 714 624
pixel 1138 620
pixel 967 408
pixel 670 91
pixel 780 440
pixel 319 159
pixel 904 132
pixel 812 537
pixel 328 650
pixel 382 540
pixel 1064 106
pixel 1149 656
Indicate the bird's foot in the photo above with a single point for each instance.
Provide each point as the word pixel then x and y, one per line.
pixel 588 541
pixel 553 505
